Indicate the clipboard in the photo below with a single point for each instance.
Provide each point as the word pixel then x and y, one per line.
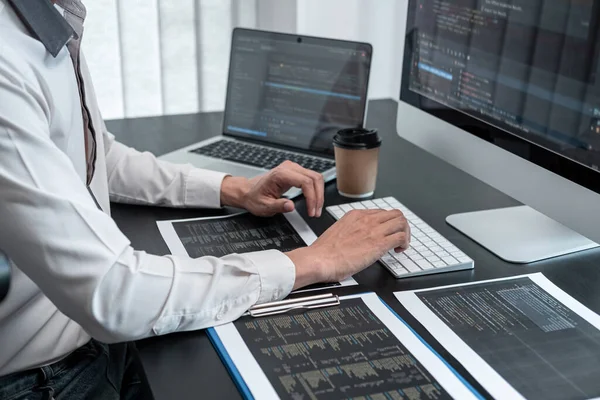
pixel 448 372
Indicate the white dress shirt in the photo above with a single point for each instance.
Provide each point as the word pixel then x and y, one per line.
pixel 74 274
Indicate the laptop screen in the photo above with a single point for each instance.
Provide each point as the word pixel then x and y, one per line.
pixel 295 90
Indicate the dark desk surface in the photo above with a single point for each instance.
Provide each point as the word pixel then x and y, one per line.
pixel 185 365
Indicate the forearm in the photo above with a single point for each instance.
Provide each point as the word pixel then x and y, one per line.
pixel 139 177
pixel 234 191
pixel 144 295
pixel 91 273
pixel 309 267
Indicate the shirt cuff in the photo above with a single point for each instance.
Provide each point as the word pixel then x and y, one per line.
pixel 203 188
pixel 277 274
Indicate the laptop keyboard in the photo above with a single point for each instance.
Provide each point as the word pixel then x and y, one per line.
pixel 260 156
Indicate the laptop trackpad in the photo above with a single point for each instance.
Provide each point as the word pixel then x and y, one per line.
pixel 233 169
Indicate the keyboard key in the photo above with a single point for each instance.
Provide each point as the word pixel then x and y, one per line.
pixel 370 205
pixel 411 266
pixel 424 264
pixel 399 256
pixel 400 271
pixel 358 206
pixel 388 258
pixel 345 207
pixel 439 264
pixel 394 265
pixel 449 260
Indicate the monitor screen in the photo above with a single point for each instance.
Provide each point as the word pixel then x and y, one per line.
pixel 526 67
pixel 295 90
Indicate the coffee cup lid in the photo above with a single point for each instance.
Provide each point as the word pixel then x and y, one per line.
pixel 357 139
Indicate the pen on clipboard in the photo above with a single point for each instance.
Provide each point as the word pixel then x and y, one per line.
pixel 283 306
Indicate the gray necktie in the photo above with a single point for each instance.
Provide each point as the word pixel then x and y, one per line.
pixel 75 13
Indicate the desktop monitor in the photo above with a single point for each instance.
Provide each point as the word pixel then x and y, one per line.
pixel 509 91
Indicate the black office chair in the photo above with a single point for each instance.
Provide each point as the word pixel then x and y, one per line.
pixel 4 277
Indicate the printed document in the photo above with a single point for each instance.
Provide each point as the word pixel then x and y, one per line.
pixel 357 350
pixel 240 233
pixel 520 337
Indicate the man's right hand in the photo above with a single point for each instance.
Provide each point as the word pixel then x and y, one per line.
pixel 353 243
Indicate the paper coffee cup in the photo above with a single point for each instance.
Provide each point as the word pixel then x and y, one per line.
pixel 356 159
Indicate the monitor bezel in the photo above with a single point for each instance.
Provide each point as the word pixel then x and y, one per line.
pixel 297 38
pixel 497 135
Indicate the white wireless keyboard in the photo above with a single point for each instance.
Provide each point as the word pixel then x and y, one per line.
pixel 429 252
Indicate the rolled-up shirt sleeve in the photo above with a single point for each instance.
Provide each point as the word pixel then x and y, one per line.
pixel 144 295
pixel 139 177
pixel 52 230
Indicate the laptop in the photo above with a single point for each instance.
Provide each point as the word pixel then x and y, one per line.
pixel 287 96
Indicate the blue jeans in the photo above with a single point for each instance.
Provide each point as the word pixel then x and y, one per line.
pixel 94 371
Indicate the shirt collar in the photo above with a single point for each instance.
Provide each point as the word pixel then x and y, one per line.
pixel 75 7
pixel 45 23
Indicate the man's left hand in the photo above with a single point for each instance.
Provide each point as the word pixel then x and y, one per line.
pixel 262 195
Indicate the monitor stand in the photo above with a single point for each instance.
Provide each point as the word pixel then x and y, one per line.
pixel 519 234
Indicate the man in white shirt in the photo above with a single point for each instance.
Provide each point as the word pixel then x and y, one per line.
pixel 75 275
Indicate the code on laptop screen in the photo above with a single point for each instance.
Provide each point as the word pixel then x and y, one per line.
pixel 295 91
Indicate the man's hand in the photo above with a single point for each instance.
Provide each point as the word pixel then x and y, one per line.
pixel 353 243
pixel 262 195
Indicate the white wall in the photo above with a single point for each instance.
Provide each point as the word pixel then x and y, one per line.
pixel 169 57
pixel 161 57
pixel 277 15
